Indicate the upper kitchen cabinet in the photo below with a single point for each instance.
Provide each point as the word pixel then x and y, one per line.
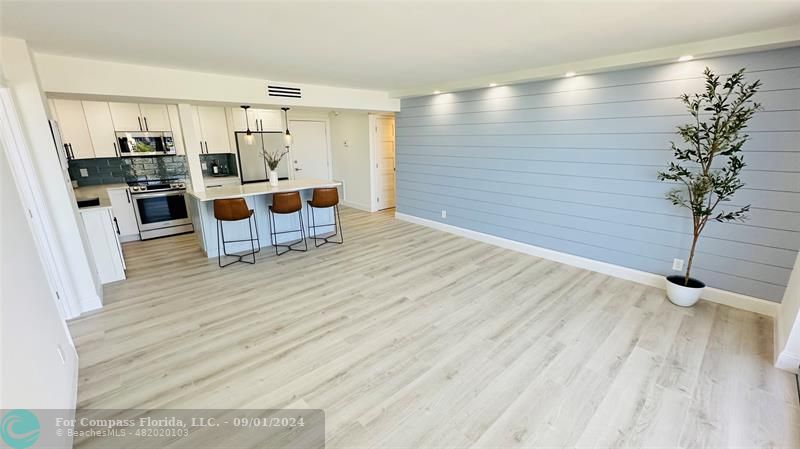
pixel 126 116
pixel 140 117
pixel 213 126
pixel 101 128
pixel 236 120
pixel 74 131
pixel 258 119
pixel 155 117
pixel 269 120
pixel 177 132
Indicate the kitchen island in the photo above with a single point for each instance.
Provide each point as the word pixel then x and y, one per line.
pixel 259 198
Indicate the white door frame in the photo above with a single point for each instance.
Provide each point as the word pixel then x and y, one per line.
pixel 374 148
pixel 39 219
pixel 327 123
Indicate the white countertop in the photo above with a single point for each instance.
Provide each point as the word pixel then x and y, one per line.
pixel 100 191
pixel 260 188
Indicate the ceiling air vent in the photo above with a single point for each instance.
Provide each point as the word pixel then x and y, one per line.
pixel 282 91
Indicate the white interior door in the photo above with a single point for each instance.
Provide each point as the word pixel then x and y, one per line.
pixel 309 150
pixel 385 162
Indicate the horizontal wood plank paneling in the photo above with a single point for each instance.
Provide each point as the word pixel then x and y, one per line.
pixel 570 165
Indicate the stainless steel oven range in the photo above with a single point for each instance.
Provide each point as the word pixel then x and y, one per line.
pixel 160 208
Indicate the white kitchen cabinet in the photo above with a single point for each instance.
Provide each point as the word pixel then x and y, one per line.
pixel 126 116
pixel 74 131
pixel 104 243
pixel 155 117
pixel 122 209
pixel 259 119
pixel 140 117
pixel 101 128
pixel 177 132
pixel 236 119
pixel 213 126
pixel 269 120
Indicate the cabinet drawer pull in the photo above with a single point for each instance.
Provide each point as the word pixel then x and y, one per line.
pixel 116 223
pixel 140 123
pixel 146 128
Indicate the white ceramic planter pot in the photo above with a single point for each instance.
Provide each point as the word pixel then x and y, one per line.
pixel 273 178
pixel 683 295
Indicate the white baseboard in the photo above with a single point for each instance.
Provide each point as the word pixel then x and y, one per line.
pixel 358 206
pixel 725 297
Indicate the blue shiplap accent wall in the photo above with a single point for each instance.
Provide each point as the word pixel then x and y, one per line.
pixel 570 165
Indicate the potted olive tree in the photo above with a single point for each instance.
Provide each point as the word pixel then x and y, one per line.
pixel 708 164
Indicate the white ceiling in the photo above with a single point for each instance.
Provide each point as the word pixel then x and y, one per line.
pixel 378 45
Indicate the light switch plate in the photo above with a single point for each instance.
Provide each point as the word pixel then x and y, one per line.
pixel 84 173
pixel 677 264
pixel 205 167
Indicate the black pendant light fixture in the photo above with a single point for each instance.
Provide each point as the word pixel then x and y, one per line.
pixel 287 136
pixel 248 136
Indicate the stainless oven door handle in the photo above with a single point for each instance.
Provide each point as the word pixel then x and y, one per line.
pixel 136 196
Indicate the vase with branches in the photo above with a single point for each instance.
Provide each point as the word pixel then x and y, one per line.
pixel 272 159
pixel 708 163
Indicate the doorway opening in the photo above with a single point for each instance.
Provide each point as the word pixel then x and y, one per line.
pixel 382 155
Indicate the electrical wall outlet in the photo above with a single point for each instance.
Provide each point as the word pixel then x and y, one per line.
pixel 84 173
pixel 204 166
pixel 444 213
pixel 677 264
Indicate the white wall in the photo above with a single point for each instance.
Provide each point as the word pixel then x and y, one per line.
pixel 31 330
pixel 20 76
pixel 787 324
pixel 350 151
pixel 68 75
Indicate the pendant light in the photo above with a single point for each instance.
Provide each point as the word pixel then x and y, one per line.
pixel 287 136
pixel 249 138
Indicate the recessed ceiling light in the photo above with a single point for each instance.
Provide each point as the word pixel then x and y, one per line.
pixel 685 58
pixel 569 74
pixel 437 92
pixel 492 84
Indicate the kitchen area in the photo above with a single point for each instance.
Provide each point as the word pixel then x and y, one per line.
pixel 129 168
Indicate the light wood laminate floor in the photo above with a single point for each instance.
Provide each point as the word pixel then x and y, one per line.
pixel 409 337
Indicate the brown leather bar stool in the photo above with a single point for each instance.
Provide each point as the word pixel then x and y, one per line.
pixel 323 198
pixel 284 204
pixel 235 209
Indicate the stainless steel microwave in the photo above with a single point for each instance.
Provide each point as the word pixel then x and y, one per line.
pixel 145 144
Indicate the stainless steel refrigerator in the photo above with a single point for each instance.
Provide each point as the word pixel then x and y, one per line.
pixel 252 167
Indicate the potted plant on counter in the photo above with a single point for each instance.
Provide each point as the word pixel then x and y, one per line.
pixel 273 158
pixel 708 164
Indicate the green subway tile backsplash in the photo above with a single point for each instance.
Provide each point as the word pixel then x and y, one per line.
pixel 226 162
pixel 116 170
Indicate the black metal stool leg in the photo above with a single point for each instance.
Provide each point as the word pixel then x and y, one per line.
pixel 302 229
pixel 224 249
pixel 337 228
pixel 219 253
pixel 289 247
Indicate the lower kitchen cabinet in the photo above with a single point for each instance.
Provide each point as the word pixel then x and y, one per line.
pixel 122 208
pixel 104 243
